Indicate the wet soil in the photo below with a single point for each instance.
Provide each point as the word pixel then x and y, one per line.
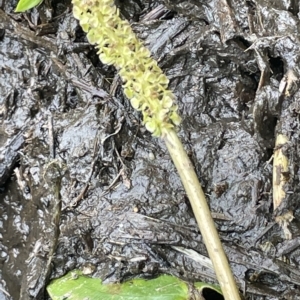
pixel 84 185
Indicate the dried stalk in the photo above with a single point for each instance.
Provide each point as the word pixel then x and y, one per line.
pixel 280 180
pixel 280 170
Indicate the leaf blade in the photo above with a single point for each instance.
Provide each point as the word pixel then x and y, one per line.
pixel 24 5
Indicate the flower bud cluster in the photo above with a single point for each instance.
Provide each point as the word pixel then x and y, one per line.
pixel 144 82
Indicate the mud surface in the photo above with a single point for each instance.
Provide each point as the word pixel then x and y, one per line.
pixel 84 185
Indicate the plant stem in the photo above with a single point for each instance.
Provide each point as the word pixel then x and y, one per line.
pixel 202 214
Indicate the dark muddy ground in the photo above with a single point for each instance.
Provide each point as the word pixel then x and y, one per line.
pixel 74 153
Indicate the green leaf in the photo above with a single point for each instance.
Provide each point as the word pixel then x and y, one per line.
pixel 75 286
pixel 201 285
pixel 24 5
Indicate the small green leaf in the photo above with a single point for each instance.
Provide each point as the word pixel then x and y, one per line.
pixel 74 286
pixel 24 5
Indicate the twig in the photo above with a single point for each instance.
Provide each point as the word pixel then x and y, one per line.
pixel 51 137
pixel 117 130
pixel 5 292
pixel 112 184
pixel 155 13
pixel 75 201
pixel 80 83
pixel 123 171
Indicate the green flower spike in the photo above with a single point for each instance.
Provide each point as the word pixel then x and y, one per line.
pixel 147 88
pixel 144 82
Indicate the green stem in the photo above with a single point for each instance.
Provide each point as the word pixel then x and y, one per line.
pixel 203 215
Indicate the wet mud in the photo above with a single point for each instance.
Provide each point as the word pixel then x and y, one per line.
pixel 84 185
